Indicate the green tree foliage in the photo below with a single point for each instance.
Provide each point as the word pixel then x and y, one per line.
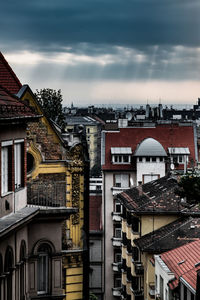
pixel 51 102
pixel 93 297
pixel 189 187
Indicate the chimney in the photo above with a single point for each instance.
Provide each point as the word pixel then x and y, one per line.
pixel 139 187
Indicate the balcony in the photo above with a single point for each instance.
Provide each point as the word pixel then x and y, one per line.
pixel 116 292
pixel 116 242
pixel 116 190
pixel 139 294
pixel 116 216
pixel 139 268
pixel 117 267
pixel 47 194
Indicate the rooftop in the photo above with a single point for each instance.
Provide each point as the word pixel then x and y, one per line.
pixel 12 108
pixel 157 196
pixel 8 79
pixel 170 236
pixel 184 262
pixel 150 147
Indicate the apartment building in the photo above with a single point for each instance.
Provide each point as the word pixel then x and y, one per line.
pixel 30 234
pixel 154 220
pixel 131 155
pixel 58 166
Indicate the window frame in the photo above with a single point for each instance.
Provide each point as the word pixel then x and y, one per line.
pixel 6 173
pixel 19 163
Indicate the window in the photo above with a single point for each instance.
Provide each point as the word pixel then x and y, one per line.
pixel 8 270
pixel 121 159
pixel 153 159
pixel 148 159
pixel 135 224
pixel 117 231
pixel 135 254
pixel 117 256
pixel 184 292
pixel 43 268
pixel 117 281
pixel 6 167
pixel 30 163
pixel 121 180
pixel 140 159
pixel 19 163
pixel 22 270
pixel 118 206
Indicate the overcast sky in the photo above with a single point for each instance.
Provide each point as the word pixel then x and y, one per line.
pixel 105 51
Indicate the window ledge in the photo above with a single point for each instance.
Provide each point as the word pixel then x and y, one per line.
pixel 6 194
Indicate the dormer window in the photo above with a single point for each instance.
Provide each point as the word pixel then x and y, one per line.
pixel 121 155
pixel 179 155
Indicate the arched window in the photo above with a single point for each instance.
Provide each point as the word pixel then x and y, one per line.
pixel 43 268
pixel 8 271
pixel 1 271
pixel 22 270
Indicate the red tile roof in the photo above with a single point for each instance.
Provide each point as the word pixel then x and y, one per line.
pixel 181 261
pixel 12 108
pixel 8 79
pixel 95 213
pixel 169 135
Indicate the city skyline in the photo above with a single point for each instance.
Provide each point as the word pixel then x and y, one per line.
pixel 100 52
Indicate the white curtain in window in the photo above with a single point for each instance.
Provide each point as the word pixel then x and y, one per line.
pixel 122 180
pixel 18 166
pixel 4 170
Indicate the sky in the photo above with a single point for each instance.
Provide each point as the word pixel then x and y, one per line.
pixel 105 51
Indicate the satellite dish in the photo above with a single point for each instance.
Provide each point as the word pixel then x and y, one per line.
pixel 129 116
pixel 172 166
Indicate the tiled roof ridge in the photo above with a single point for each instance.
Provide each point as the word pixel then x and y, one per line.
pixel 170 232
pixel 10 70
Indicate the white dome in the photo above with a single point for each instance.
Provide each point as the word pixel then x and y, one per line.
pixel 150 147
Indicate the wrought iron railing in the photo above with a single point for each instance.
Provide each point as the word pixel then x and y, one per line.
pixel 48 194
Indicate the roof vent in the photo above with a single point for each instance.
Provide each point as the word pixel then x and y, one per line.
pixel 197 264
pixel 181 262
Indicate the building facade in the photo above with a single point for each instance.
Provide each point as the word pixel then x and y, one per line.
pixel 57 164
pixel 30 235
pixel 133 155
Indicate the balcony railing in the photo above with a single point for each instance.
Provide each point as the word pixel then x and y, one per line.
pixel 116 242
pixel 139 294
pixel 116 217
pixel 47 194
pixel 117 266
pixel 116 291
pixel 139 268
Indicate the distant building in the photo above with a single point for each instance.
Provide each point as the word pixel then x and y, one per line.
pixel 96 238
pixel 92 129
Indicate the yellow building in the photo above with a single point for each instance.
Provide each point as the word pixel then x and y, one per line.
pixel 146 208
pixel 56 161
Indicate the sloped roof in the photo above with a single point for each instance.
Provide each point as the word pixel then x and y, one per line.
pixel 182 262
pixel 157 196
pixel 168 135
pixel 170 236
pixel 150 147
pixel 12 108
pixel 8 79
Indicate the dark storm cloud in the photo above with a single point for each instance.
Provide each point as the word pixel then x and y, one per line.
pixel 43 24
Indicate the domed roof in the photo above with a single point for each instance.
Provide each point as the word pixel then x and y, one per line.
pixel 150 147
